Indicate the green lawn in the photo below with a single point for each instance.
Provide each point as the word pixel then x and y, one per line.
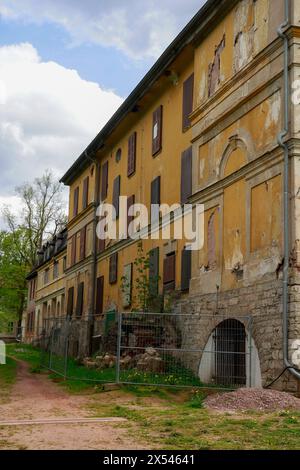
pixel 177 421
pixel 8 374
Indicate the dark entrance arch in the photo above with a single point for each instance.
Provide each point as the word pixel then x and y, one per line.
pixel 230 353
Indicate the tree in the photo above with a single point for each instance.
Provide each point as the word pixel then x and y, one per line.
pixel 42 215
pixel 146 297
pixel 12 275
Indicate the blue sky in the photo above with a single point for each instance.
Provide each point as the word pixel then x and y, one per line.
pixel 65 67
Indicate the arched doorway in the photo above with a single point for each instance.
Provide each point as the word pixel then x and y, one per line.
pixel 230 356
pixel 230 353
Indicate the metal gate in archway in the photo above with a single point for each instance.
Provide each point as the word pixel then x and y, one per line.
pixel 230 353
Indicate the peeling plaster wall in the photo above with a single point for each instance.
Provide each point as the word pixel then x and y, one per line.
pixel 238 171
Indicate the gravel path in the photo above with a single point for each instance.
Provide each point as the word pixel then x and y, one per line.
pixel 35 397
pixel 252 399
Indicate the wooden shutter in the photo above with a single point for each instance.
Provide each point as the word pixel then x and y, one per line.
pixel 75 201
pixel 187 101
pixel 113 268
pixel 186 175
pixel 82 243
pixel 85 193
pixel 100 245
pixel 157 130
pixel 70 301
pixel 186 269
pixel 79 304
pixel 104 181
pixel 130 218
pixel 155 199
pixel 99 295
pixel 73 249
pixel 154 270
pixel 116 194
pixel 131 163
pixel 169 270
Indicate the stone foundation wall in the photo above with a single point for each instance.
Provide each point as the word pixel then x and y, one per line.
pixel 263 303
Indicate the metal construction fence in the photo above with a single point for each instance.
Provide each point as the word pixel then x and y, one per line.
pixel 150 348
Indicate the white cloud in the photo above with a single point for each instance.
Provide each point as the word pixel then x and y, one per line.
pixel 140 29
pixel 48 115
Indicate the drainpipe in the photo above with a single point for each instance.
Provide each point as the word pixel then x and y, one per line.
pixel 283 134
pixel 91 314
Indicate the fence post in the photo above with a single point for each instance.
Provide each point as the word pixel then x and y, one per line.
pixel 118 347
pixel 51 348
pixel 66 349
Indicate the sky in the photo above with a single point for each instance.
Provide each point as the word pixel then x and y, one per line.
pixel 65 67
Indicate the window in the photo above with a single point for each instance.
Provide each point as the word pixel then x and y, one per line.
pixel 10 327
pixel 82 243
pixel 155 200
pixel 85 193
pixel 187 101
pixel 75 201
pixel 46 276
pixel 64 263
pixel 99 295
pixel 73 249
pixel 186 175
pixel 186 268
pixel 130 218
pixel 127 291
pixel 157 130
pixel 104 181
pixel 79 303
pixel 131 154
pixel 118 155
pixel 70 301
pixel 55 269
pixel 169 271
pixel 116 195
pixel 113 268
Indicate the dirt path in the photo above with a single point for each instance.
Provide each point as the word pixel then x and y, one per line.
pixel 35 397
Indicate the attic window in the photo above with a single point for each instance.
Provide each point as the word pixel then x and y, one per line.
pixel 118 155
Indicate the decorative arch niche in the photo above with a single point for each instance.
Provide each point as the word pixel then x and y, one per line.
pixel 234 157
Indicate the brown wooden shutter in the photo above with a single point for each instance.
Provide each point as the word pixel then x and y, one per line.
pixel 169 270
pixel 186 175
pixel 73 249
pixel 79 304
pixel 131 163
pixel 130 218
pixel 155 199
pixel 187 101
pixel 186 269
pixel 157 130
pixel 100 245
pixel 113 268
pixel 82 243
pixel 99 295
pixel 116 194
pixel 70 301
pixel 104 181
pixel 154 270
pixel 75 201
pixel 85 194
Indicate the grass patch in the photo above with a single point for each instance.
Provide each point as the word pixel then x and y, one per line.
pixel 8 374
pixel 184 424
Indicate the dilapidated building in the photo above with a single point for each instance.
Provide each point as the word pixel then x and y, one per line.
pixel 215 122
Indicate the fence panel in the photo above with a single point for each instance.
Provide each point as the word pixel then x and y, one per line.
pixel 185 350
